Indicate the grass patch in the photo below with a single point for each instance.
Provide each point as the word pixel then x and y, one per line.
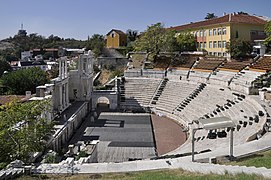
pixel 257 160
pixel 156 175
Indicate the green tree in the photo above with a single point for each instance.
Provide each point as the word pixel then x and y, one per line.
pixel 131 35
pixel 23 129
pixel 96 44
pixel 210 16
pixel 186 42
pixel 23 80
pixel 4 66
pixel 155 39
pixel 267 30
pixel 239 48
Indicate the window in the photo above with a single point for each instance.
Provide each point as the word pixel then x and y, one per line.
pixel 210 44
pixel 195 33
pixel 214 44
pixel 219 54
pixel 204 45
pixel 224 31
pixel 219 31
pixel 236 34
pixel 261 33
pixel 219 44
pixel 215 54
pixel 210 32
pixel 200 34
pixel 113 35
pixel 224 45
pixel 200 45
pixel 204 33
pixel 214 32
pixel 225 54
pixel 210 53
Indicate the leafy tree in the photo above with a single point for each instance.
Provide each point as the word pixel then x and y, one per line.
pixel 186 42
pixel 131 35
pixel 23 80
pixel 96 44
pixel 210 16
pixel 267 30
pixel 239 48
pixel 22 130
pixel 4 66
pixel 155 39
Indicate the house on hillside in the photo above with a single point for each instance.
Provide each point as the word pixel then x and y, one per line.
pixel 115 39
pixel 213 35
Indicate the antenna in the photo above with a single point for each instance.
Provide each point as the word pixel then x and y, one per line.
pixel 22 26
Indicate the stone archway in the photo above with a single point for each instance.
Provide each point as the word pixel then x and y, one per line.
pixel 103 104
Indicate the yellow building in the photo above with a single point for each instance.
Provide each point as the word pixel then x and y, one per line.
pixel 213 34
pixel 115 39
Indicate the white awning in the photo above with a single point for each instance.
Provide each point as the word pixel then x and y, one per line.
pixel 216 123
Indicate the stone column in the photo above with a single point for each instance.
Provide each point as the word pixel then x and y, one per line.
pixel 63 96
pixel 67 94
pixel 66 68
pixel 59 69
pixel 60 97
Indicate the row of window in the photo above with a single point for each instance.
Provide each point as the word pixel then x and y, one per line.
pixel 212 32
pixel 218 54
pixel 213 44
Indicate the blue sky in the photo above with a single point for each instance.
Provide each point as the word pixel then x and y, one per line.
pixel 80 18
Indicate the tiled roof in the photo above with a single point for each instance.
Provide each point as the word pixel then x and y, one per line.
pixel 116 30
pixel 229 18
pixel 9 98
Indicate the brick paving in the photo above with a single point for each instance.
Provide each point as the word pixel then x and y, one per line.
pixel 168 134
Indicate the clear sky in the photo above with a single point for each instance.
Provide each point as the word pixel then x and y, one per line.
pixel 80 18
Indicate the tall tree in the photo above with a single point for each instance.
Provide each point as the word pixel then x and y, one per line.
pixel 155 39
pixel 23 80
pixel 23 129
pixel 210 16
pixel 131 35
pixel 239 48
pixel 96 44
pixel 4 66
pixel 267 30
pixel 186 41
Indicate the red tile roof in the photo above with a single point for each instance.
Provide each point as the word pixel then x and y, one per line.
pixel 229 18
pixel 4 99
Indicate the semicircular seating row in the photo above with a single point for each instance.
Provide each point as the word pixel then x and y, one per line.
pixel 185 101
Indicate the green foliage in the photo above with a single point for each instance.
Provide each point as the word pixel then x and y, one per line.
pixel 176 174
pixel 96 44
pixel 155 39
pixel 22 130
pixel 23 80
pixel 267 30
pixel 4 66
pixel 117 72
pixel 257 160
pixel 32 41
pixel 239 48
pixel 131 35
pixel 210 16
pixel 186 42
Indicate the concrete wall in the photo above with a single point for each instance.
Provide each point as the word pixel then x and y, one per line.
pixel 65 132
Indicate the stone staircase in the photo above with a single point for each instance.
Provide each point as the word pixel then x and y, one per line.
pixel 193 95
pixel 159 91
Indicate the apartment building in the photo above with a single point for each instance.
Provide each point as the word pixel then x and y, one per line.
pixel 214 34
